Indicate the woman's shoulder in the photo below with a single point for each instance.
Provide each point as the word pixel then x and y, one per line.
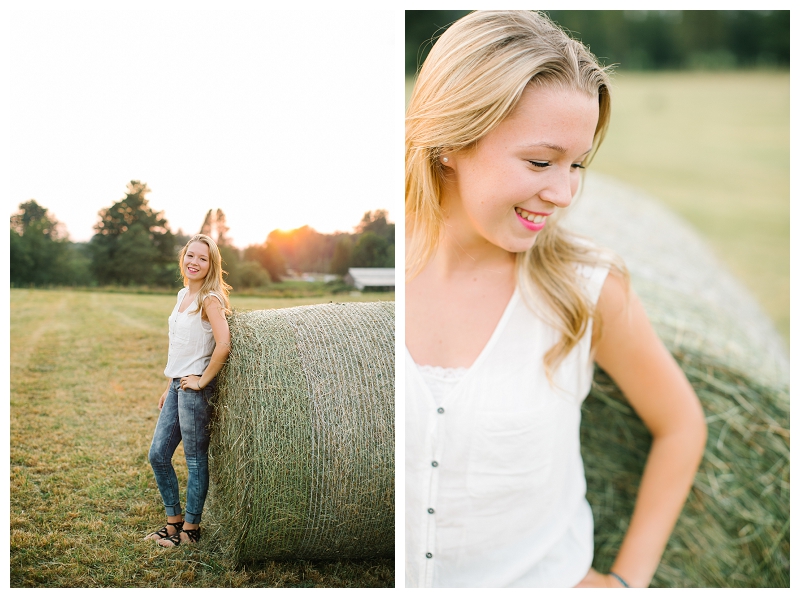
pixel 594 265
pixel 215 295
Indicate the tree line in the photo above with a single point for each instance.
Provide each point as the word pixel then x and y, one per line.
pixel 134 245
pixel 645 39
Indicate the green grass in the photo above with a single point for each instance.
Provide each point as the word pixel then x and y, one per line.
pixel 86 375
pixel 290 289
pixel 714 147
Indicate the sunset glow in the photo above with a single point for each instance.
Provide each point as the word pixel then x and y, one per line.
pixel 279 118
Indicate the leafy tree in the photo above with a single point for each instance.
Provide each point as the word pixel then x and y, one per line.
pixel 304 249
pixel 342 254
pixel 132 243
pixel 222 230
pixel 78 271
pixel 230 264
pixel 250 275
pixel 645 39
pixel 389 263
pixel 208 224
pixel 22 265
pixel 270 258
pixel 38 247
pixel 215 226
pixel 371 251
pixel 181 239
pixel 376 222
pixel 33 217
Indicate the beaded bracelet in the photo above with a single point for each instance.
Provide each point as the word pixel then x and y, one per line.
pixel 619 579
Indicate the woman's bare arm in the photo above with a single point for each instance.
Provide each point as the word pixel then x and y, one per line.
pixel 222 337
pixel 629 350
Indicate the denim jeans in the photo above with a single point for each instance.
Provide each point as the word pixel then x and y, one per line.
pixel 184 416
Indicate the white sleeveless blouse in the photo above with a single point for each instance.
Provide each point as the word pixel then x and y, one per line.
pixel 495 486
pixel 191 340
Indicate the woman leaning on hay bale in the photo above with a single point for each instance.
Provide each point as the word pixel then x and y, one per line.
pixel 505 314
pixel 199 343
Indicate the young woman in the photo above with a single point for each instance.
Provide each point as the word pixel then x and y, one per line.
pixel 506 313
pixel 199 343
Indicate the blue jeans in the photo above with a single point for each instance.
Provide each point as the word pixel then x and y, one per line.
pixel 184 416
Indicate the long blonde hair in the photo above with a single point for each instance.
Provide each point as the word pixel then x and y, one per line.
pixel 213 282
pixel 472 79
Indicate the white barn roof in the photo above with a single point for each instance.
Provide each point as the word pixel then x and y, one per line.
pixel 371 277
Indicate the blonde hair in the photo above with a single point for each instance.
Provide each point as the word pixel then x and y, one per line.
pixel 472 79
pixel 213 282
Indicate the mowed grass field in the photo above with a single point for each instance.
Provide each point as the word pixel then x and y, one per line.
pixel 714 147
pixel 86 375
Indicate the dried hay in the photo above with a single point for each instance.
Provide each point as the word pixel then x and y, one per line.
pixel 734 529
pixel 302 446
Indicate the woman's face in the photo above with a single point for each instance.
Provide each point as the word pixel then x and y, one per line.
pixel 196 261
pixel 505 187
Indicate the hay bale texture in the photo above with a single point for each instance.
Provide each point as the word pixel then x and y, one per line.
pixel 302 446
pixel 734 529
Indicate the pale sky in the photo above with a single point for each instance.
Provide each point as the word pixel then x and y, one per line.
pixel 280 118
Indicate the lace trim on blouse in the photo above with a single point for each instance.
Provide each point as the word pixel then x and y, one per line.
pixel 441 381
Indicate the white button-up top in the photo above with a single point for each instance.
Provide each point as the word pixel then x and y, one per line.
pixel 495 487
pixel 191 340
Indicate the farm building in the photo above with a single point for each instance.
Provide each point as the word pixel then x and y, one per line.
pixel 371 278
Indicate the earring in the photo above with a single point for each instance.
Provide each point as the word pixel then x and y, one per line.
pixel 445 159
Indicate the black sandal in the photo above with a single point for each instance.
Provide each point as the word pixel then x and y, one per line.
pixel 193 535
pixel 163 533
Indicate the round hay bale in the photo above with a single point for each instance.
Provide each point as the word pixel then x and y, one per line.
pixel 734 528
pixel 302 444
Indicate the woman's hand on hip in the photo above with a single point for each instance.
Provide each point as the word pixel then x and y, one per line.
pixel 190 382
pixel 594 579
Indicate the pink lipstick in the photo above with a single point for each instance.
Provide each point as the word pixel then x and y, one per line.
pixel 533 226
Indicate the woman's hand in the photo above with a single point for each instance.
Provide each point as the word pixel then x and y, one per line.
pixel 594 579
pixel 163 398
pixel 191 382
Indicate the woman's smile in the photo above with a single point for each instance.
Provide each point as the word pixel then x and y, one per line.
pixel 531 220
